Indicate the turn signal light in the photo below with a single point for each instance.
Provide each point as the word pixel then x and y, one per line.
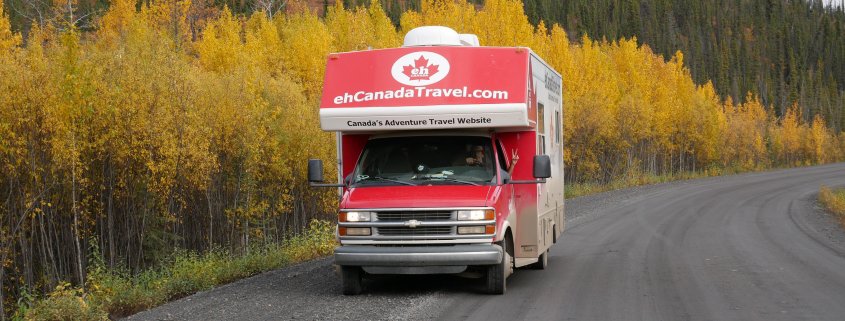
pixel 490 229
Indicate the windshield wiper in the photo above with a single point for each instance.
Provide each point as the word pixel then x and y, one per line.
pixel 452 180
pixel 387 179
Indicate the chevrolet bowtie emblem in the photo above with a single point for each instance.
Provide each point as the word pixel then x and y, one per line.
pixel 412 223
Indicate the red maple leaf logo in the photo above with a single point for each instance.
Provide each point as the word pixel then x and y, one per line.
pixel 421 70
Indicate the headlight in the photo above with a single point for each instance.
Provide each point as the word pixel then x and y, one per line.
pixel 476 215
pixel 354 216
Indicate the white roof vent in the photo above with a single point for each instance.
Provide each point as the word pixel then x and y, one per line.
pixel 438 36
pixel 468 39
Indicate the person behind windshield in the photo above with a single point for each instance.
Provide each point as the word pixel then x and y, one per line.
pixel 475 156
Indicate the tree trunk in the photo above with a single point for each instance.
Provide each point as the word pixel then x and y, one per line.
pixel 75 209
pixel 2 292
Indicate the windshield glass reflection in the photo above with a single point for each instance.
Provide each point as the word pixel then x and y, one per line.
pixel 426 160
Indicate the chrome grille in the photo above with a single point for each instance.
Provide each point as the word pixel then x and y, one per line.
pixel 431 226
pixel 407 231
pixel 419 216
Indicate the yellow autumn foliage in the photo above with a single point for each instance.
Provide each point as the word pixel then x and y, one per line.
pixel 8 39
pixel 143 138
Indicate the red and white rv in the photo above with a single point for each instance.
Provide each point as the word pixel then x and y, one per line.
pixel 450 158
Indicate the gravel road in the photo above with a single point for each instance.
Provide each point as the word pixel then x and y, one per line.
pixel 745 247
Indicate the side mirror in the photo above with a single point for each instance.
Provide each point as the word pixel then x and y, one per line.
pixel 315 170
pixel 542 171
pixel 315 174
pixel 542 166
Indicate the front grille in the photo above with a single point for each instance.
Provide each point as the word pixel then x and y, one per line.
pixel 407 231
pixel 419 216
pixel 432 226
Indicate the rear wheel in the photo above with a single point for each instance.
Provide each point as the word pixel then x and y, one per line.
pixel 542 261
pixel 350 277
pixel 497 274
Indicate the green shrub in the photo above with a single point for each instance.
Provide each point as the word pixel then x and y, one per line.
pixel 66 303
pixel 834 201
pixel 319 240
pixel 116 293
pixel 634 178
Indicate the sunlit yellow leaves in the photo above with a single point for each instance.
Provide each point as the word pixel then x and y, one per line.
pixel 115 22
pixel 221 44
pixel 786 138
pixel 458 15
pixel 744 134
pixel 383 33
pixel 819 141
pixel 627 109
pixel 200 139
pixel 8 39
pixel 307 43
pixel 361 28
pixel 503 23
pixel 233 112
pixel 170 17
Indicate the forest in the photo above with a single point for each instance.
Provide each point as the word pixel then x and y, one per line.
pixel 133 130
pixel 784 52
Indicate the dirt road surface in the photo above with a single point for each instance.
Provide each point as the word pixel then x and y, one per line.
pixel 745 247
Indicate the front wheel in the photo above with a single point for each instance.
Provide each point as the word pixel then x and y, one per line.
pixel 350 277
pixel 497 274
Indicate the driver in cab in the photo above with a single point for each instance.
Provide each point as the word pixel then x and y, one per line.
pixel 475 157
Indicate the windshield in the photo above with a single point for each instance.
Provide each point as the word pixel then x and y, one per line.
pixel 427 160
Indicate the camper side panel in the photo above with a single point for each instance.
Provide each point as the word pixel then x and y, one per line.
pixel 546 95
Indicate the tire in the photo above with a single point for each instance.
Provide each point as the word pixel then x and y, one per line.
pixel 497 274
pixel 350 277
pixel 542 262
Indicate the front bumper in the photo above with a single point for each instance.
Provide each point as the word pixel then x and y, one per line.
pixel 418 256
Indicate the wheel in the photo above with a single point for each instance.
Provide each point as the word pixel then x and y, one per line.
pixel 497 274
pixel 542 261
pixel 350 277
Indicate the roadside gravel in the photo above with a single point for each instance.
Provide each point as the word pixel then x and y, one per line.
pixel 307 291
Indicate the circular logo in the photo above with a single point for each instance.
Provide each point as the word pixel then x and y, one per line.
pixel 421 68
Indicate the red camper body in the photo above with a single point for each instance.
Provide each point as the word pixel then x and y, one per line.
pixel 427 140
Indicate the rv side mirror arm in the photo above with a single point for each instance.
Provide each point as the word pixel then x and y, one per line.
pixel 536 181
pixel 315 174
pixel 542 171
pixel 312 184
